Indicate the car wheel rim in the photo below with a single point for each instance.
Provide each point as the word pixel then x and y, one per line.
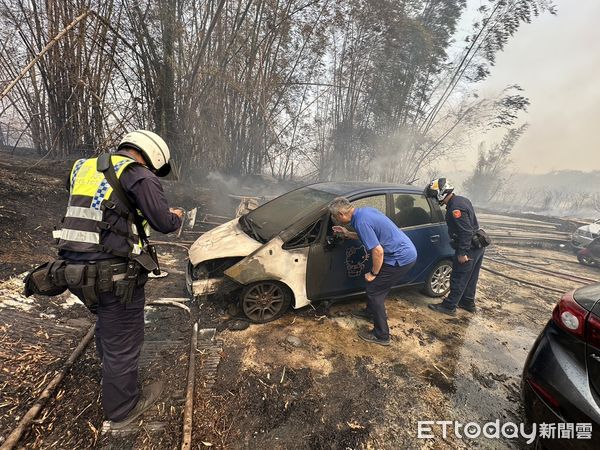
pixel 263 302
pixel 440 280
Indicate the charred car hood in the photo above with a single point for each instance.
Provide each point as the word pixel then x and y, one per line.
pixel 225 241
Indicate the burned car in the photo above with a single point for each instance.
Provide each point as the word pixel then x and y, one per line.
pixel 284 253
pixel 585 234
pixel 590 254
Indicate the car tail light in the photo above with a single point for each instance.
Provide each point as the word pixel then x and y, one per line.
pixel 569 316
pixel 592 332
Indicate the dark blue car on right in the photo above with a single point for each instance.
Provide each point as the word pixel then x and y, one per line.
pixel 561 379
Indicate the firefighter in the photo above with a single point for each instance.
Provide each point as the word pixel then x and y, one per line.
pixel 103 242
pixel 468 256
pixel 393 255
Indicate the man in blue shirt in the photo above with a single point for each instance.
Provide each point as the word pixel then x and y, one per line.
pixel 392 253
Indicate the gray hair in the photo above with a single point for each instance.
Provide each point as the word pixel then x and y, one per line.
pixel 339 205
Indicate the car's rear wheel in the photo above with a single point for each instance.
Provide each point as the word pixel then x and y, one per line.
pixel 265 301
pixel 438 280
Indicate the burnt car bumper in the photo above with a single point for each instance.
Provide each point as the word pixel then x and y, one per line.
pixel 204 286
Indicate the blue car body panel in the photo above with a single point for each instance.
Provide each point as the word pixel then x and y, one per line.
pixel 348 260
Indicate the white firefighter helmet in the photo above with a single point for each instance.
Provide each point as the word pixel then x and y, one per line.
pixel 152 147
pixel 439 188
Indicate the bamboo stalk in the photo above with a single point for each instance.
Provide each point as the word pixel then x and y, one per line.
pixel 186 441
pixel 48 46
pixel 15 435
pixel 103 103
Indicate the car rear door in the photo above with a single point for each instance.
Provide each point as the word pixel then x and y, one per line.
pixel 414 214
pixel 337 267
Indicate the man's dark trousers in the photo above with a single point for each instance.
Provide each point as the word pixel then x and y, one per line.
pixel 119 340
pixel 388 277
pixel 464 278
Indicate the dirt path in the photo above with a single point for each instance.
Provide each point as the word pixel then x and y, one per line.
pixel 307 381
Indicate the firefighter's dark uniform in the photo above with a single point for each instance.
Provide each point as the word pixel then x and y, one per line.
pixel 96 232
pixel 462 225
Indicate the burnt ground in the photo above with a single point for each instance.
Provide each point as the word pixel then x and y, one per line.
pixel 33 197
pixel 339 392
pixel 304 381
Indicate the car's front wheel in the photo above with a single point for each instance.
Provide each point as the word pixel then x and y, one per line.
pixel 265 301
pixel 438 280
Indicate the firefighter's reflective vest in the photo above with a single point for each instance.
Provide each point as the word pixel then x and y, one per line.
pixel 90 197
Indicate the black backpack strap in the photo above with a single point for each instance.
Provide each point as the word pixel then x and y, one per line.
pixel 103 162
pixel 104 165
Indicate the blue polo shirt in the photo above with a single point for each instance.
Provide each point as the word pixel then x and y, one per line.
pixel 375 228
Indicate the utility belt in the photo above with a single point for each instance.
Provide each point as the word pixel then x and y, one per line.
pixel 91 278
pixel 480 239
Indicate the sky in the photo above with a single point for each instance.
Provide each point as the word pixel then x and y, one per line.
pixel 556 60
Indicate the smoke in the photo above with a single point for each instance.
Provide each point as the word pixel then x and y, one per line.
pixel 561 194
pixel 226 191
pixel 406 157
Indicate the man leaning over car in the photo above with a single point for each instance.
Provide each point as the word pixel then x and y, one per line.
pixel 393 255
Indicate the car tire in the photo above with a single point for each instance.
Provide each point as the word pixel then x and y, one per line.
pixel 437 283
pixel 264 301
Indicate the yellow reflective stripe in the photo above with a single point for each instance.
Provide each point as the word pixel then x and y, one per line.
pixel 120 169
pixel 88 179
pixel 84 213
pixel 136 250
pixel 87 237
pixel 147 229
pixel 74 172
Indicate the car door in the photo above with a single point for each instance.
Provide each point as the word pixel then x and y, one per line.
pixel 414 214
pixel 337 267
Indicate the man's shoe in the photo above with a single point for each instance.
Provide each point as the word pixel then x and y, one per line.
pixel 471 308
pixel 440 307
pixel 368 336
pixel 148 397
pixel 363 314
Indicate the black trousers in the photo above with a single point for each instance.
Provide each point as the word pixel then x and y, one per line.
pixel 464 278
pixel 377 290
pixel 119 340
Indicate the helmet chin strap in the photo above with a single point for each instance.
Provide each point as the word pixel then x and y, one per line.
pixel 446 197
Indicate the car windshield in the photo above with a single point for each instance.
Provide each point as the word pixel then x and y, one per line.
pixel 275 216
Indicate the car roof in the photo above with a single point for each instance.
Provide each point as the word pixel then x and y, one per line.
pixel 344 188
